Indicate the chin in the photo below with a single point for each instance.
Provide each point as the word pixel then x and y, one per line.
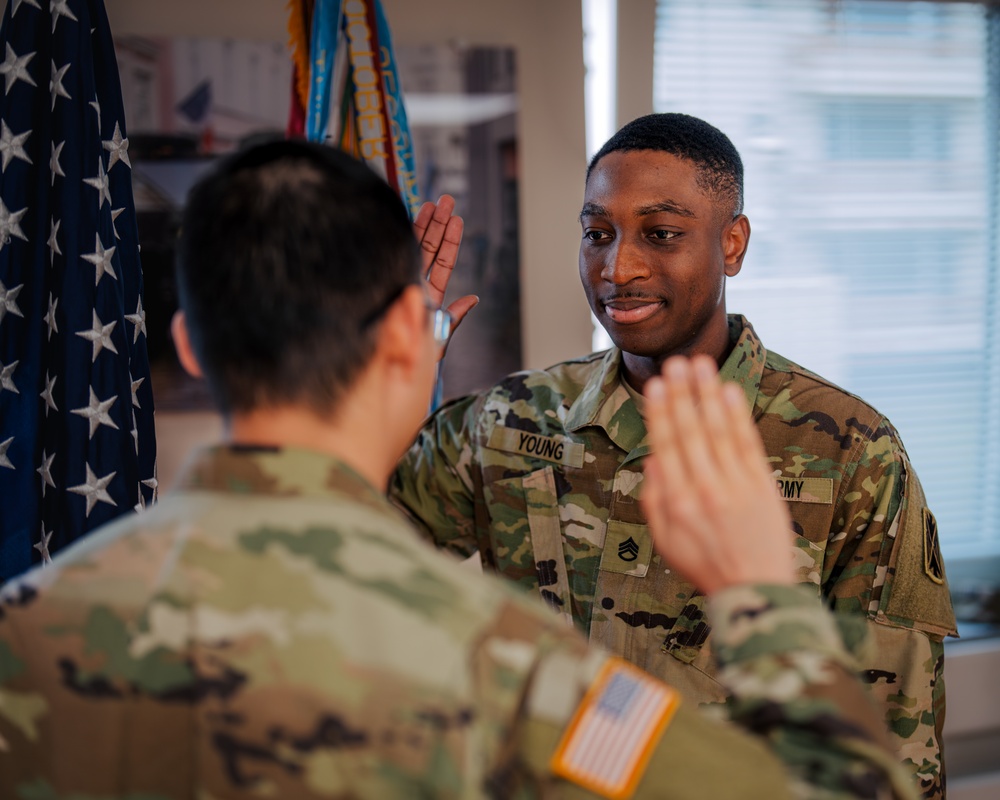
pixel 633 342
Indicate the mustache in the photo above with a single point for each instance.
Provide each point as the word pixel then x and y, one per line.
pixel 632 295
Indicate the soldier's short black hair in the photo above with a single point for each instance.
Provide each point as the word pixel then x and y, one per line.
pixel 289 253
pixel 720 168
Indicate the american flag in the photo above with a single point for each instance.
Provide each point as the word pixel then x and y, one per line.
pixel 612 736
pixel 77 445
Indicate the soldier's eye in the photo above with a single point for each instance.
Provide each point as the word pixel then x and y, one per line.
pixel 663 235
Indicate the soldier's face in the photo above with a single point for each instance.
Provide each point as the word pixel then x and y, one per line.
pixel 655 253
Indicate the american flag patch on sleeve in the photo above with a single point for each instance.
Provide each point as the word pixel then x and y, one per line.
pixel 612 735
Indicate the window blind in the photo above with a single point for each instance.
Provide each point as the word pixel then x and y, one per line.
pixel 868 132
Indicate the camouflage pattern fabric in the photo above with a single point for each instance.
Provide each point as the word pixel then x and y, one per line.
pixel 276 629
pixel 541 475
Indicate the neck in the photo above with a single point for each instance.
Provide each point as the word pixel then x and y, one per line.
pixel 712 340
pixel 345 436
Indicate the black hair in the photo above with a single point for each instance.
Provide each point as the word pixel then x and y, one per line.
pixel 720 169
pixel 288 252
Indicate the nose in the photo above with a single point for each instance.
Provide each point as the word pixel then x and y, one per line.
pixel 624 264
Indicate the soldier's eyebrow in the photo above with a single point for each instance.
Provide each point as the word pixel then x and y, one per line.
pixel 668 206
pixel 593 210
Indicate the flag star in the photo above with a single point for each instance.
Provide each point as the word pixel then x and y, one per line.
pixel 6 379
pixel 95 489
pixel 8 303
pixel 153 484
pixel 17 4
pixel 95 104
pixel 100 336
pixel 53 242
pixel 135 432
pixel 15 68
pixel 55 83
pixel 138 319
pixel 117 147
pixel 96 412
pixel 60 8
pixel 101 183
pixel 10 224
pixel 101 259
pixel 50 317
pixel 46 471
pixel 115 213
pixel 4 461
pixel 46 395
pixel 42 545
pixel 55 168
pixel 12 146
pixel 135 388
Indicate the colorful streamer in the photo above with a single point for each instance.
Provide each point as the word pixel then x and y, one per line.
pixel 355 99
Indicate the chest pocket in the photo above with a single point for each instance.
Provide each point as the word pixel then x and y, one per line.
pixel 628 549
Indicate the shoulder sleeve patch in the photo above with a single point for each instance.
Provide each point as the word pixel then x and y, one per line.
pixel 613 733
pixel 916 589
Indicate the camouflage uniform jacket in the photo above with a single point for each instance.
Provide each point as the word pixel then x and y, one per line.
pixel 541 476
pixel 276 629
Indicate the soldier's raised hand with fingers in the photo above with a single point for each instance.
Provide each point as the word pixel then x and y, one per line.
pixel 710 500
pixel 439 231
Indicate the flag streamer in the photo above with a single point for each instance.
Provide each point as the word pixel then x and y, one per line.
pixel 355 99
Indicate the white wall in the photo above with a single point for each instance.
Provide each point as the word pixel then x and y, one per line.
pixel 548 37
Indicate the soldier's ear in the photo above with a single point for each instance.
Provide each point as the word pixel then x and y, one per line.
pixel 735 238
pixel 182 343
pixel 405 331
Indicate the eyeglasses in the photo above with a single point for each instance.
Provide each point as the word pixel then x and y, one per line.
pixel 442 323
pixel 442 320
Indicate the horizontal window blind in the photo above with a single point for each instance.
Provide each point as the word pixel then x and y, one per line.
pixel 868 131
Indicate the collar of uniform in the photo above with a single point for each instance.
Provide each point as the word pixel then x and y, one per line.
pixel 745 364
pixel 605 402
pixel 277 472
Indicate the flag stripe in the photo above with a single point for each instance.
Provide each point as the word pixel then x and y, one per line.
pixel 609 741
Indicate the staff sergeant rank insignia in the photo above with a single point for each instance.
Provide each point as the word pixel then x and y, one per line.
pixel 628 550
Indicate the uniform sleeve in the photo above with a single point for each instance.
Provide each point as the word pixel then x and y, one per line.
pixel 434 481
pixel 912 612
pixel 817 733
pixel 793 683
pixel 889 563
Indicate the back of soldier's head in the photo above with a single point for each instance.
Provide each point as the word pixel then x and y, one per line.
pixel 720 168
pixel 288 253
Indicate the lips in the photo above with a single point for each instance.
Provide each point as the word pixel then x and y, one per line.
pixel 631 310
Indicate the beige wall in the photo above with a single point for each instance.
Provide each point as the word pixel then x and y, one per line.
pixel 548 38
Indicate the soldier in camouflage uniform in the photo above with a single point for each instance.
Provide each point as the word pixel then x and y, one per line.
pixel 275 628
pixel 541 474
